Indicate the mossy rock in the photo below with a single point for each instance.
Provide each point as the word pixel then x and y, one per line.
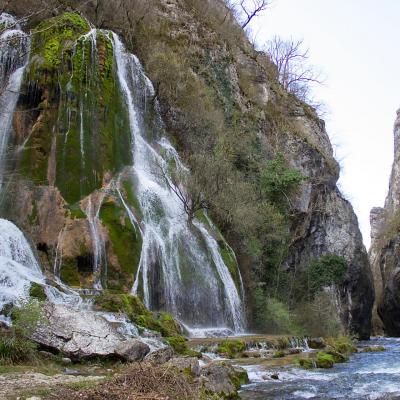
pixel 136 311
pixel 239 377
pixel 279 354
pixel 231 347
pixel 338 357
pixel 69 273
pixel 324 360
pixel 342 344
pixel 179 344
pixel 373 349
pixel 126 244
pixel 307 363
pixel 37 291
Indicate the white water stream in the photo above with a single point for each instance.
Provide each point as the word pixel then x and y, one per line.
pixel 183 258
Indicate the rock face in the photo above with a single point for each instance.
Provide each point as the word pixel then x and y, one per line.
pixel 85 334
pixel 220 62
pixel 385 247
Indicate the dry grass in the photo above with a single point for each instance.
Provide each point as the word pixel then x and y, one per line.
pixel 141 381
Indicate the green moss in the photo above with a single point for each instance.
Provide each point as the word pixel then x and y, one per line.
pixel 33 217
pixel 126 243
pixel 231 347
pixel 131 197
pixel 337 357
pixel 342 344
pixel 76 211
pixel 37 291
pixel 279 354
pixel 137 312
pixel 324 360
pixel 239 377
pixel 69 273
pixel 307 363
pixel 179 344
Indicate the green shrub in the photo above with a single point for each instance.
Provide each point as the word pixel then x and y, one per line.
pixel 279 181
pixel 37 291
pixel 327 271
pixel 15 349
pixel 15 345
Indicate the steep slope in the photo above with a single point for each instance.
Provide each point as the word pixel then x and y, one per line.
pixel 223 106
pixel 384 251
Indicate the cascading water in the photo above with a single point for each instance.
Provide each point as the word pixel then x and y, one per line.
pixel 14 50
pixel 181 269
pixel 99 252
pixel 18 265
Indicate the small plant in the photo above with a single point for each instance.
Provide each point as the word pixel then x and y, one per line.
pixel 15 345
pixel 307 363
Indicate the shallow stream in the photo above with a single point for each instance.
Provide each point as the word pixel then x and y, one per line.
pixel 367 376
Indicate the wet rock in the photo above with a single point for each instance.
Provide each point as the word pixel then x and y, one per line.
pixel 316 343
pixel 275 376
pixel 372 349
pixel 161 356
pixel 186 364
pixel 84 334
pixel 133 350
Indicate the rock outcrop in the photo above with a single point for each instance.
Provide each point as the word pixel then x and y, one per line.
pixel 86 334
pixel 385 247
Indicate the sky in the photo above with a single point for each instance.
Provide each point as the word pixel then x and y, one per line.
pixel 355 45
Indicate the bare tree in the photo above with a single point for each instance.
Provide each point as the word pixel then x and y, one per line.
pixel 249 9
pixel 294 72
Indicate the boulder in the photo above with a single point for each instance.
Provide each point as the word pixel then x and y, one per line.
pixel 316 343
pixel 83 334
pixel 132 350
pixel 223 379
pixel 161 356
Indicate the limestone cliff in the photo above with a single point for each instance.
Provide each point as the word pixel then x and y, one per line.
pixel 208 78
pixel 384 251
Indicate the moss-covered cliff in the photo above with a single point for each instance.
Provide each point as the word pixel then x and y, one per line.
pixel 223 106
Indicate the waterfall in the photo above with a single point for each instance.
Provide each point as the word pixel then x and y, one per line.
pixel 99 251
pixel 14 49
pixel 181 268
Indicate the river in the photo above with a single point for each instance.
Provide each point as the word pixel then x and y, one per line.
pixel 366 376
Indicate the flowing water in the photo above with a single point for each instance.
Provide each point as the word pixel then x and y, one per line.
pixel 181 267
pixel 367 376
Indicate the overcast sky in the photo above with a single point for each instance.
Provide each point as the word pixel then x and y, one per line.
pixel 355 44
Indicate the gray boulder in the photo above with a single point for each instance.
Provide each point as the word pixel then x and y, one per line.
pixel 160 356
pixel 84 334
pixel 223 379
pixel 132 350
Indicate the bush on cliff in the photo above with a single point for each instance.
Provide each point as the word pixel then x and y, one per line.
pixel 15 345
